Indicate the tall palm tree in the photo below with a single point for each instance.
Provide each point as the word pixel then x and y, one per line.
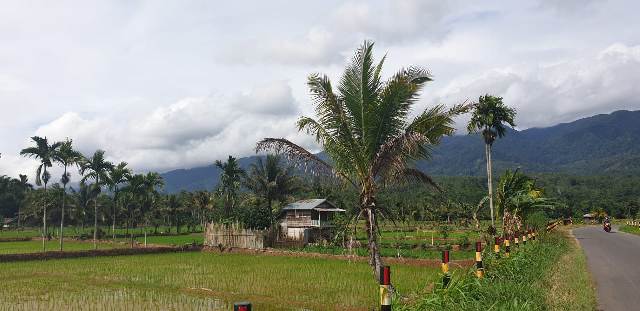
pixel 490 116
pixel 97 168
pixel 118 175
pixel 271 180
pixel 25 186
pixel 65 156
pixel 82 198
pixel 43 152
pixel 230 180
pixel 364 128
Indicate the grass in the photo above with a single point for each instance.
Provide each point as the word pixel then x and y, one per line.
pixel 630 229
pixel 515 283
pixel 388 252
pixel 36 246
pixel 74 231
pixel 199 281
pixel 176 240
pixel 569 284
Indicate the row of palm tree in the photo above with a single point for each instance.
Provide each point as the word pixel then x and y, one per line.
pixel 94 167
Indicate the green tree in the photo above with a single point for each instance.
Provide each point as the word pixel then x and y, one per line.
pixel 230 180
pixel 271 180
pixel 43 152
pixel 25 186
pixel 489 117
pixel 118 175
pixel 364 129
pixel 96 168
pixel 65 156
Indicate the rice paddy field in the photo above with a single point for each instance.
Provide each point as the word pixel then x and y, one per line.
pixel 199 281
pixel 34 246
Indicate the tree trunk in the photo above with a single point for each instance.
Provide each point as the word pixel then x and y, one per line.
pixel 115 207
pixel 372 236
pixel 64 192
pixel 489 182
pixel 44 217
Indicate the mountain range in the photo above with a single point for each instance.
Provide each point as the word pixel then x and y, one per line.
pixel 601 144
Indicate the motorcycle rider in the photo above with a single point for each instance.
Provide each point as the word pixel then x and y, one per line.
pixel 607 224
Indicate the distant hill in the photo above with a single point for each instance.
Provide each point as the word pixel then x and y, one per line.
pixel 601 144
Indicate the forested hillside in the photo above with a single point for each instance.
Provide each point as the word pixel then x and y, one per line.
pixel 605 144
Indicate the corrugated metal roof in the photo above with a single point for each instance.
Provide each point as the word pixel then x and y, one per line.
pixel 307 204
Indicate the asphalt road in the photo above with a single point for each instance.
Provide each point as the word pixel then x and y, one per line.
pixel 614 261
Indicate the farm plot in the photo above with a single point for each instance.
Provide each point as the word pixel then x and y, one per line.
pixel 199 281
pixel 34 246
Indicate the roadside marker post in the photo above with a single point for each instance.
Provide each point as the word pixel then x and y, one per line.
pixel 496 246
pixel 241 306
pixel 479 268
pixel 533 234
pixel 385 290
pixel 529 234
pixel 516 240
pixel 507 247
pixel 524 239
pixel 446 276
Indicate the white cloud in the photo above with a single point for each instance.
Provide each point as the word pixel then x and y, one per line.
pixel 192 131
pixel 564 91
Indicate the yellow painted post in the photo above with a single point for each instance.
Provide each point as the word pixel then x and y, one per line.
pixel 515 240
pixel 496 246
pixel 479 267
pixel 385 290
pixel 507 247
pixel 446 276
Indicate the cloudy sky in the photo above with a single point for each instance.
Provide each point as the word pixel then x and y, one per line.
pixel 175 84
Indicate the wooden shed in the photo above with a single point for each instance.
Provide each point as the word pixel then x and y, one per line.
pixel 308 219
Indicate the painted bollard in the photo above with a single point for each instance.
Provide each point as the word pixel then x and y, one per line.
pixel 507 247
pixel 479 268
pixel 529 234
pixel 496 246
pixel 524 239
pixel 446 276
pixel 385 290
pixel 533 234
pixel 241 306
pixel 515 240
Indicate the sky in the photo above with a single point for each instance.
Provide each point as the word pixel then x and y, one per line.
pixel 179 84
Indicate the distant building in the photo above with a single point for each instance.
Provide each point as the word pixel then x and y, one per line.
pixel 588 218
pixel 308 220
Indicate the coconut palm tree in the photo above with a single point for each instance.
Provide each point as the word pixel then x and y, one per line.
pixel 230 180
pixel 43 152
pixel 96 168
pixel 65 156
pixel 118 175
pixel 271 180
pixel 490 116
pixel 202 203
pixel 364 129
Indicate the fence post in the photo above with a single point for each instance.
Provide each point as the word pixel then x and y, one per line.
pixel 515 240
pixel 446 276
pixel 524 239
pixel 507 247
pixel 496 246
pixel 385 293
pixel 242 306
pixel 479 268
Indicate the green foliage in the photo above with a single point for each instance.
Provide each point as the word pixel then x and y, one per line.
pixel 537 220
pixel 513 283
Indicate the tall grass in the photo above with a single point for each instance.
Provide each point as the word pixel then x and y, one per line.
pixel 514 283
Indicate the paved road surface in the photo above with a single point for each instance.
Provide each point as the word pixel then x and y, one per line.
pixel 614 261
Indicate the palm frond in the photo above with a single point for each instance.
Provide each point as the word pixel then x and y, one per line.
pixel 300 157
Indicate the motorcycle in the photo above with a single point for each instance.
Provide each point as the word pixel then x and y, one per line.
pixel 607 226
